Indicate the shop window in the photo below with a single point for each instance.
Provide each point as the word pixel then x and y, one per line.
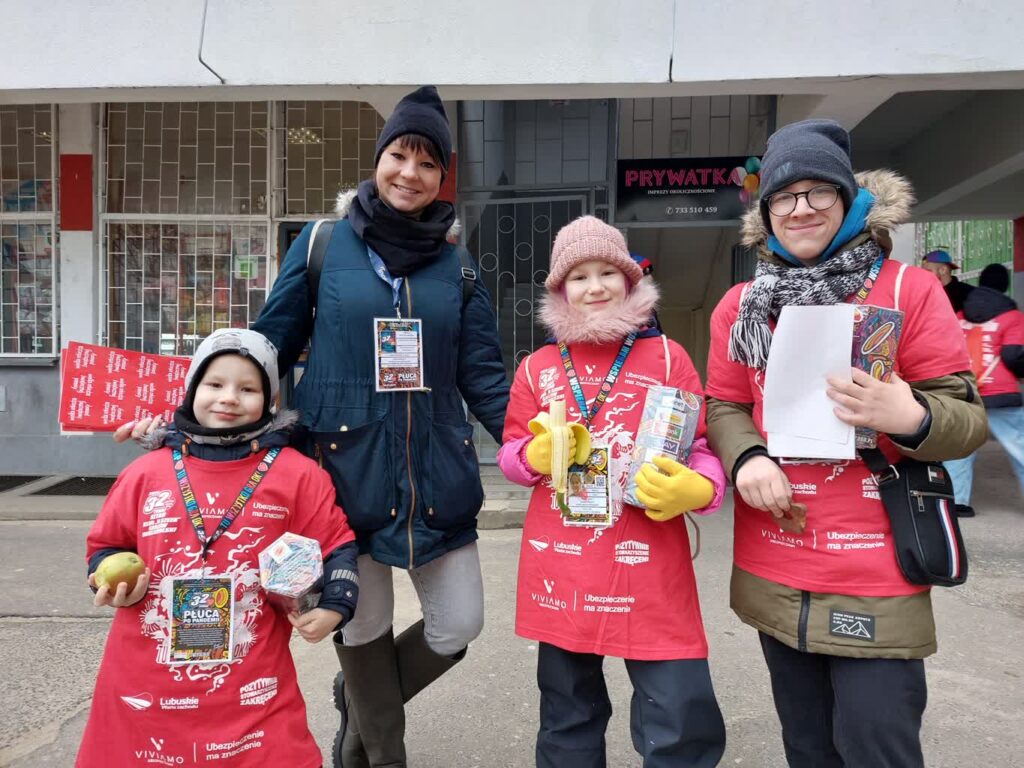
pixel 186 221
pixel 27 253
pixel 171 284
pixel 326 147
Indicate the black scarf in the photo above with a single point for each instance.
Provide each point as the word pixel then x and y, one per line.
pixel 404 244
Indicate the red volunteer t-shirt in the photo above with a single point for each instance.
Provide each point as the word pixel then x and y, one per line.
pixel 985 342
pixel 248 712
pixel 847 546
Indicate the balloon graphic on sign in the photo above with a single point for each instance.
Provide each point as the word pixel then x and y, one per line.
pixel 748 178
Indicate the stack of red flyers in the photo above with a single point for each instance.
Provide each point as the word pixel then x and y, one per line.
pixel 103 387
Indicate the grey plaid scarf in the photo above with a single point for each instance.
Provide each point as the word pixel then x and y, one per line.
pixel 776 286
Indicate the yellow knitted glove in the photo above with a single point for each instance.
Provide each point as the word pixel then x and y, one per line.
pixel 673 491
pixel 538 450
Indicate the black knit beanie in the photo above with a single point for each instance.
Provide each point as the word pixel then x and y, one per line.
pixel 810 149
pixel 419 112
pixel 996 277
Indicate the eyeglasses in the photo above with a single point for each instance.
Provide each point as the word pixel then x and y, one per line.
pixel 820 198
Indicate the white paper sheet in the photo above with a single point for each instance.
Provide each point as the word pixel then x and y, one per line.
pixel 808 345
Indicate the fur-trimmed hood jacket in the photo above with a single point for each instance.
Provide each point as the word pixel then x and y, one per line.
pixel 572 326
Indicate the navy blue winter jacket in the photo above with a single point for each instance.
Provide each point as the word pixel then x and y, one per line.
pixel 403 464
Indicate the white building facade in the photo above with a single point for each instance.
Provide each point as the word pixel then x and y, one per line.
pixel 156 159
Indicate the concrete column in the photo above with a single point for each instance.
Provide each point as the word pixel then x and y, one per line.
pixel 79 259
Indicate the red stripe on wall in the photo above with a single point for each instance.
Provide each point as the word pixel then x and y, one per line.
pixel 76 193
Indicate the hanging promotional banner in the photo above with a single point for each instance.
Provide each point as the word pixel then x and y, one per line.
pixel 691 189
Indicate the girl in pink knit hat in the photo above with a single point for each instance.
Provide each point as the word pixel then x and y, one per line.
pixel 607 578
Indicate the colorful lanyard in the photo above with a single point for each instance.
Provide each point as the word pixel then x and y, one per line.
pixel 382 272
pixel 609 382
pixel 196 515
pixel 869 281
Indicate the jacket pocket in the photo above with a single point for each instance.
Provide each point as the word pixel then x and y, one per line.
pixel 454 492
pixel 360 464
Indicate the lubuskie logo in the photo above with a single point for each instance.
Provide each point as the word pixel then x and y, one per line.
pixel 683 177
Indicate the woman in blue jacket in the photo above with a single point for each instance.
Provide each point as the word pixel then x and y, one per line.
pixel 402 459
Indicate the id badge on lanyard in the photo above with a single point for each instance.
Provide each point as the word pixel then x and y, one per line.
pixel 397 341
pixel 202 620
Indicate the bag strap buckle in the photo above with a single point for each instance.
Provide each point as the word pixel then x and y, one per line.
pixel 888 475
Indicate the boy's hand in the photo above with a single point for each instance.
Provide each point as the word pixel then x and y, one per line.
pixel 316 624
pixel 120 598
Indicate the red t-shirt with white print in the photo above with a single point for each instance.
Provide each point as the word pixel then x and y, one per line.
pixel 245 712
pixel 847 546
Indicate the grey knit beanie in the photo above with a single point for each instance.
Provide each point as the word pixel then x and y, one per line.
pixel 810 149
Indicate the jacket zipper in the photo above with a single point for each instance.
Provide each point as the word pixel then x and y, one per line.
pixel 801 630
pixel 408 440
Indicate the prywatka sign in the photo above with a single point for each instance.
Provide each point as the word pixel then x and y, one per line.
pixel 686 189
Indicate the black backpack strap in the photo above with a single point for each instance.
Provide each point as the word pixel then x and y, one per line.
pixel 316 255
pixel 468 274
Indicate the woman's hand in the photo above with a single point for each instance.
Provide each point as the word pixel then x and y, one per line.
pixel 136 430
pixel 316 624
pixel 885 406
pixel 121 597
pixel 763 485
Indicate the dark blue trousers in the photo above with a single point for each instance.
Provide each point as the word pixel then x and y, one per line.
pixel 847 713
pixel 675 721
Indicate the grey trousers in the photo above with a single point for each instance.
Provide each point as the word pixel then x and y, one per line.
pixel 451 593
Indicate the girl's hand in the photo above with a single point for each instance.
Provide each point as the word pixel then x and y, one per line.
pixel 672 490
pixel 885 406
pixel 316 624
pixel 763 485
pixel 136 430
pixel 121 597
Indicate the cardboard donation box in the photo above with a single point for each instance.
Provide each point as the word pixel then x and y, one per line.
pixel 291 572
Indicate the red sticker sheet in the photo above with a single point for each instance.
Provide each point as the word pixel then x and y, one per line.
pixel 101 388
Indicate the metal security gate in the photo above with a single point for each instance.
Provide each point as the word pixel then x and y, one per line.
pixel 512 238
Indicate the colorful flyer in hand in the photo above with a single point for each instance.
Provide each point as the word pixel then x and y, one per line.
pixel 876 338
pixel 586 493
pixel 398 353
pixel 667 426
pixel 202 613
pixel 102 387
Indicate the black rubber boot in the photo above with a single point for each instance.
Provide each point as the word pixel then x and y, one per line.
pixel 418 664
pixel 373 711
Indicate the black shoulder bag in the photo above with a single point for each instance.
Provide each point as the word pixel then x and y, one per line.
pixel 918 496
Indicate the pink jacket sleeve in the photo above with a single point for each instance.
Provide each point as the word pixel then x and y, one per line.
pixel 703 461
pixel 512 461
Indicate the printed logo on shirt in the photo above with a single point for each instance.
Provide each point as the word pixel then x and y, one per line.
pixel 257 692
pixel 156 507
pixel 139 702
pixel 153 754
pixel 846 540
pixel 632 552
pixel 639 379
pixel 608 603
pixel 549 600
pixel 869 488
pixel 549 585
pixel 211 498
pixel 781 538
pixel 546 379
pixel 590 369
pixel 227 750
pixel 566 548
pixel 179 702
pixel 806 489
pixel 269 511
pixel 849 624
pixel 539 544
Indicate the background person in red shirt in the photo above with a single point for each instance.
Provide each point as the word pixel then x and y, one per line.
pixel 844 634
pixel 994 329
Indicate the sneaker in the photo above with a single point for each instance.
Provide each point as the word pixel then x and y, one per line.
pixel 964 510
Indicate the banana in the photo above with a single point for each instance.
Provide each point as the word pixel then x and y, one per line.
pixel 561 433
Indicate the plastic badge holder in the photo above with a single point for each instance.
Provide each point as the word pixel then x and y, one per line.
pixel 291 572
pixel 667 427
